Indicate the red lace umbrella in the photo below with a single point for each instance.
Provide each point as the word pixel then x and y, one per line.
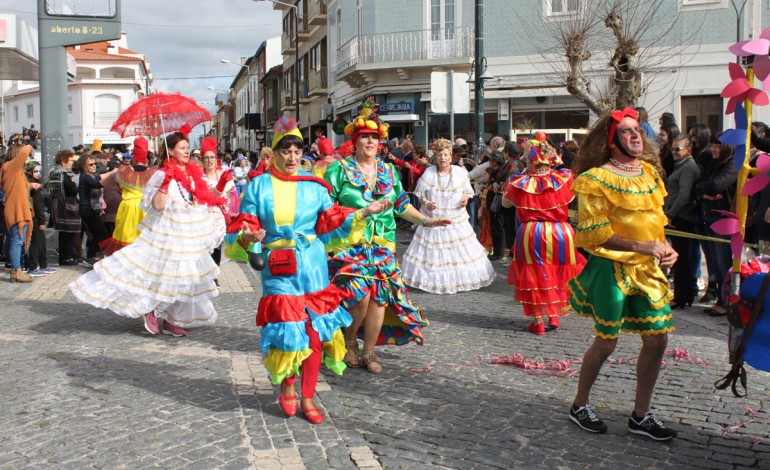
pixel 159 113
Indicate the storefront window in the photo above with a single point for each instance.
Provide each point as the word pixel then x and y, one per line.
pixel 465 126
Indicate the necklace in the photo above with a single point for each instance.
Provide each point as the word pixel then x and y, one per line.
pixel 186 196
pixel 370 177
pixel 542 172
pixel 624 166
pixel 448 181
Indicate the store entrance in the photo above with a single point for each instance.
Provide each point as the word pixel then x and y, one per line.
pixel 400 130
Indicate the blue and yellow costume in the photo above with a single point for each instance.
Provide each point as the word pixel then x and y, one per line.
pixel 365 263
pixel 298 214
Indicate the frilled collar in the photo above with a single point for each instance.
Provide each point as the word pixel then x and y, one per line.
pixel 536 184
pixel 356 177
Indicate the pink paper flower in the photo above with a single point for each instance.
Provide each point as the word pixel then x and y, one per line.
pixel 759 48
pixel 731 226
pixel 739 90
pixel 758 182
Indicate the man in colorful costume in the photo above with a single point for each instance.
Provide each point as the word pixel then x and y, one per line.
pixel 620 196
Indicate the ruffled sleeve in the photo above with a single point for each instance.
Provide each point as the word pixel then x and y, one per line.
pixel 333 175
pixel 593 228
pixel 152 187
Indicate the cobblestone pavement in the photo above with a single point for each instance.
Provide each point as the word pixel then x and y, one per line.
pixel 83 388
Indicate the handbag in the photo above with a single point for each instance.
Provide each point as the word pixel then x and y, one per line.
pixel 67 215
pixel 497 203
pixel 282 262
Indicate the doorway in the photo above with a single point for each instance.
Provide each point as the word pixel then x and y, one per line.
pixel 702 110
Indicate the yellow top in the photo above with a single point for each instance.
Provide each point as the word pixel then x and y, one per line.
pixel 630 207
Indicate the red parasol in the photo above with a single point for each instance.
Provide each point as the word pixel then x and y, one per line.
pixel 159 113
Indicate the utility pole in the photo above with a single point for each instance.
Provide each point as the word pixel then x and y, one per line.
pixel 479 81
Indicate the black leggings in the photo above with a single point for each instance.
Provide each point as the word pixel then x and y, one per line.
pixel 97 231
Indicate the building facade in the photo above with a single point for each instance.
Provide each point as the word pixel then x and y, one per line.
pixel 389 50
pixel 107 78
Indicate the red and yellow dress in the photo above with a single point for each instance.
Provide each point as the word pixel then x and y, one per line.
pixel 130 215
pixel 544 256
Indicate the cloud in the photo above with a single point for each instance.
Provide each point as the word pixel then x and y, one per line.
pixel 180 38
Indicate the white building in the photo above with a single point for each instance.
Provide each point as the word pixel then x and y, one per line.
pixel 108 78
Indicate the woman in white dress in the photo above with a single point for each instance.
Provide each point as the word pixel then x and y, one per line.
pixel 167 272
pixel 446 260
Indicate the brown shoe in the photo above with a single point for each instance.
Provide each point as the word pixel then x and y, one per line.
pixel 18 275
pixel 351 358
pixel 371 362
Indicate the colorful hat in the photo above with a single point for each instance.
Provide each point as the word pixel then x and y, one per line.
pixel 209 144
pixel 540 153
pixel 285 125
pixel 140 150
pixel 368 122
pixel 97 145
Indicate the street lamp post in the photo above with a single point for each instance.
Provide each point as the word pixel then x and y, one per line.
pixel 479 84
pixel 248 100
pixel 297 18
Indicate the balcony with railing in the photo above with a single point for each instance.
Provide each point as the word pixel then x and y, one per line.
pixel 405 49
pixel 287 100
pixel 287 43
pixel 304 91
pixel 316 13
pixel 318 81
pixel 105 120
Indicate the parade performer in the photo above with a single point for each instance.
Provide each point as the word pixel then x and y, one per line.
pixel 132 180
pixel 446 260
pixel 622 287
pixel 326 157
pixel 291 213
pixel 366 266
pixel 167 272
pixel 220 182
pixel 544 253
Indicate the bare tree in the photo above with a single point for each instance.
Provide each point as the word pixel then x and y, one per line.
pixel 603 50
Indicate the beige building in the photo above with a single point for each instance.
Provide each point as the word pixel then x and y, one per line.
pixel 306 64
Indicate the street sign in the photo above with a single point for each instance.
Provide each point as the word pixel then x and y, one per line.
pixel 440 93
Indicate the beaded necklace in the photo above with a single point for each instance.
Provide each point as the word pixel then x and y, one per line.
pixel 449 180
pixel 624 166
pixel 371 179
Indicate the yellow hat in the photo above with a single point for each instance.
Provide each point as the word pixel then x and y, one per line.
pixel 285 125
pixel 97 145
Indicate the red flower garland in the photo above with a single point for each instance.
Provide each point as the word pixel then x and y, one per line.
pixel 201 192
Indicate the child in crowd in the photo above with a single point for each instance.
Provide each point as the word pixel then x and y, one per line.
pixel 37 261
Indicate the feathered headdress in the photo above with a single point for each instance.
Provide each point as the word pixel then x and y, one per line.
pixel 185 130
pixel 286 124
pixel 367 122
pixel 209 144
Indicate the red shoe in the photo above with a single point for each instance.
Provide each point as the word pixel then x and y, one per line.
pixel 173 330
pixel 538 329
pixel 151 323
pixel 553 323
pixel 314 416
pixel 288 404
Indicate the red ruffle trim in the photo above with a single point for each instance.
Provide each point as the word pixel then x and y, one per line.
pixel 548 199
pixel 544 276
pixel 111 245
pixel 281 308
pixel 332 219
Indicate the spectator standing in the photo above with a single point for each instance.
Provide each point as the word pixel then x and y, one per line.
pixel 65 215
pixel 641 115
pixel 91 207
pixel 37 259
pixel 18 216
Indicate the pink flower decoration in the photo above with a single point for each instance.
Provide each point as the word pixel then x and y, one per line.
pixel 759 48
pixel 740 90
pixel 731 226
pixel 758 182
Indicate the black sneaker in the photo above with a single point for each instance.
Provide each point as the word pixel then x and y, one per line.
pixel 89 262
pixel 651 427
pixel 585 417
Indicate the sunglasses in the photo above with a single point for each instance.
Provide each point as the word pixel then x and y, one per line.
pixel 91 164
pixel 678 149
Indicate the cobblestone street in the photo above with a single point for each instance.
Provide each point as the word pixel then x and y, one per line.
pixel 84 388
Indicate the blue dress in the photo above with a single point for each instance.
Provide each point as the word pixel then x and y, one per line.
pixel 297 214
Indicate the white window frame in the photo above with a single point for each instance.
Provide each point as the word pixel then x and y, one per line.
pixel 315 57
pixel 30 111
pixel 694 5
pixel 549 12
pixel 15 114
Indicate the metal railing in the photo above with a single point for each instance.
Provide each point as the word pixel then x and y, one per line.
pixel 319 79
pixel 105 120
pixel 406 45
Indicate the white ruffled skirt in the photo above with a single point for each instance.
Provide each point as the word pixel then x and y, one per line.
pixel 168 269
pixel 446 260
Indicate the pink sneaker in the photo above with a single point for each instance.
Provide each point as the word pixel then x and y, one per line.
pixel 151 323
pixel 173 330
